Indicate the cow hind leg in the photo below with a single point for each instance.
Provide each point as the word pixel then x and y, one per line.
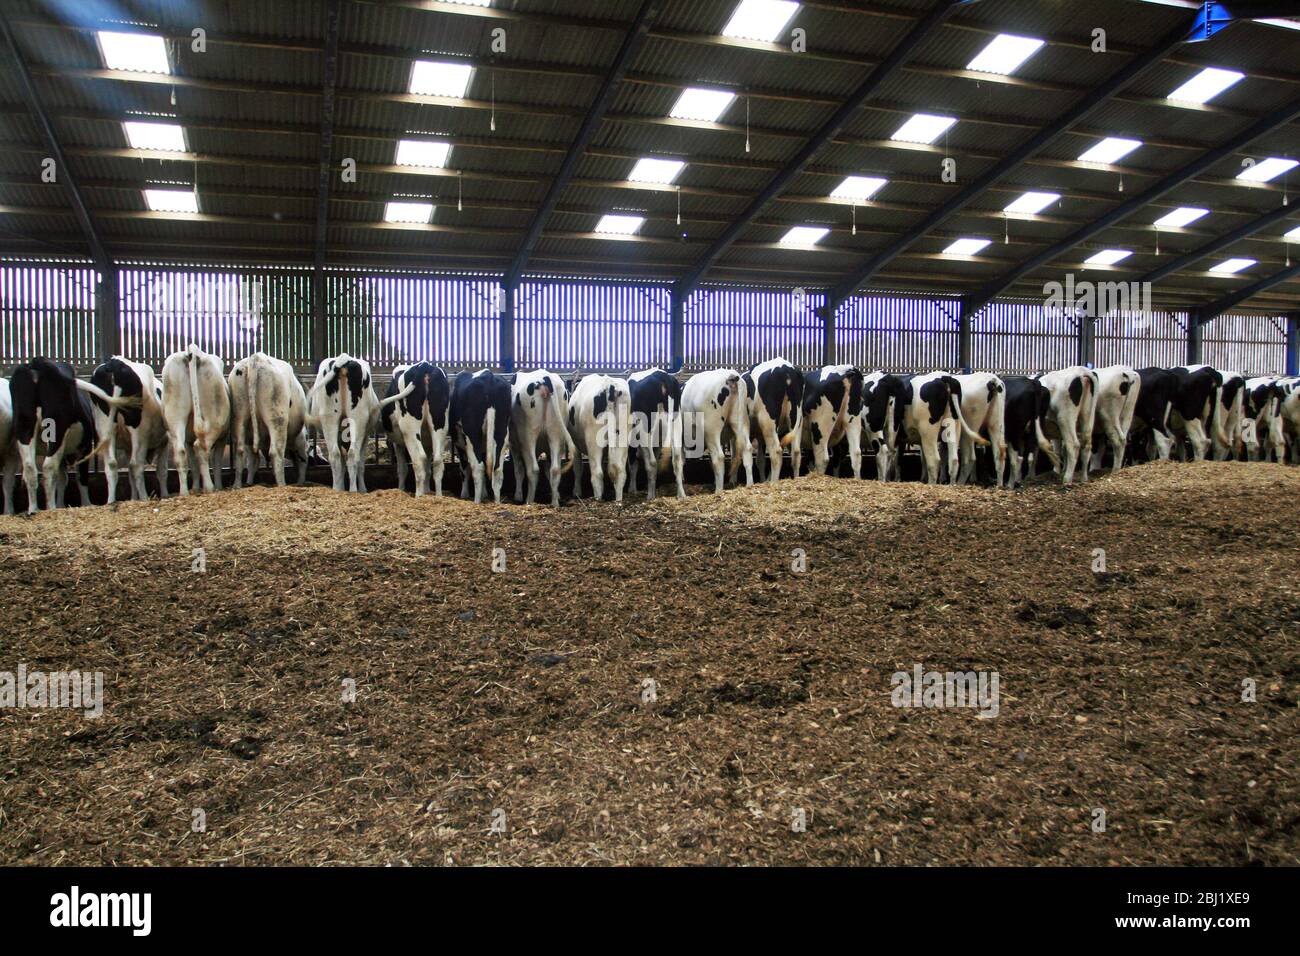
pixel 718 458
pixel 647 456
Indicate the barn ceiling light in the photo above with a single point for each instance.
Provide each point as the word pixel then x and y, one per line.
pixel 858 187
pixel 1109 150
pixel 1107 257
pixel 440 78
pixel 1267 169
pixel 137 52
pixel 1206 85
pixel 966 247
pixel 804 236
pixel 171 200
pixel 1004 54
pixel 161 136
pixel 1181 216
pixel 923 128
pixel 1030 203
pixel 760 19
pixel 422 152
pixel 649 170
pixel 1293 234
pixel 417 212
pixel 1229 266
pixel 615 225
pixel 700 104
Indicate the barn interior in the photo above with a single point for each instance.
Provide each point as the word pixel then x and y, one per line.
pixel 905 185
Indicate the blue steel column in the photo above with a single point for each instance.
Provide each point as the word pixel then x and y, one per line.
pixel 676 328
pixel 1293 344
pixel 507 344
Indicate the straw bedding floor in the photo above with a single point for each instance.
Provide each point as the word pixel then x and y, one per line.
pixel 522 691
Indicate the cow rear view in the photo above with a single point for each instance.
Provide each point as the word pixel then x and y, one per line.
pixel 480 425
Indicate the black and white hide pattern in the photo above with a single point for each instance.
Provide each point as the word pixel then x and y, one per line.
pixel 141 430
pixel 343 408
pixel 983 406
pixel 1262 428
pixel 539 412
pixel 268 409
pixel 1118 391
pixel 52 416
pixel 1150 432
pixel 1072 416
pixel 600 422
pixel 1028 405
pixel 831 413
pixel 656 439
pixel 415 415
pixel 480 426
pixel 9 461
pixel 774 402
pixel 1192 415
pixel 713 411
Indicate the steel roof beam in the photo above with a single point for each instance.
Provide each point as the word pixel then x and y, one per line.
pixel 62 169
pixel 1264 125
pixel 824 135
pixel 1219 306
pixel 1243 231
pixel 1081 110
pixel 632 41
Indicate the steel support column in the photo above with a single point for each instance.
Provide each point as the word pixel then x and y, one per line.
pixel 1195 328
pixel 965 339
pixel 827 312
pixel 329 74
pixel 1293 344
pixel 507 342
pixel 108 326
pixel 676 330
pixel 1087 339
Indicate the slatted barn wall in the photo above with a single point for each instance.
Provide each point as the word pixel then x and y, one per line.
pixel 1246 343
pixel 1023 338
pixel 595 326
pixel 728 327
pixel 395 317
pixel 389 317
pixel 47 309
pixel 1142 339
pixel 897 334
pixel 230 312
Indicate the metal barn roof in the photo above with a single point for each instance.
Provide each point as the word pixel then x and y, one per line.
pixel 251 108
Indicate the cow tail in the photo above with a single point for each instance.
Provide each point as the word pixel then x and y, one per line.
pixel 192 359
pixel 666 446
pixel 1217 414
pixel 253 368
pixel 489 441
pixel 622 416
pixel 559 410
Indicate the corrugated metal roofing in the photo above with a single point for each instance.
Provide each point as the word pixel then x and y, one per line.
pixel 251 105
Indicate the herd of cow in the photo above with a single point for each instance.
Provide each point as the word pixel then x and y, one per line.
pixel 189 414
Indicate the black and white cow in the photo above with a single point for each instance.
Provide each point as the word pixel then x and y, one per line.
pixel 1072 417
pixel 196 407
pixel 480 427
pixel 983 406
pixel 1118 390
pixel 600 422
pixel 774 400
pixel 52 413
pixel 343 407
pixel 656 428
pixel 1225 423
pixel 1262 423
pixel 143 429
pixel 1192 413
pixel 1290 387
pixel 539 413
pixel 1158 390
pixel 268 409
pixel 713 409
pixel 9 461
pixel 831 412
pixel 931 413
pixel 1028 404
pixel 414 414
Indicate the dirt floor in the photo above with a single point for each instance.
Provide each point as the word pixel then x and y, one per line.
pixel 523 691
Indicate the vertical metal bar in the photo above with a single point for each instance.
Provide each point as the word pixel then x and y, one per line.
pixel 507 333
pixel 965 339
pixel 106 314
pixel 1293 343
pixel 676 330
pixel 828 311
pixel 1195 333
